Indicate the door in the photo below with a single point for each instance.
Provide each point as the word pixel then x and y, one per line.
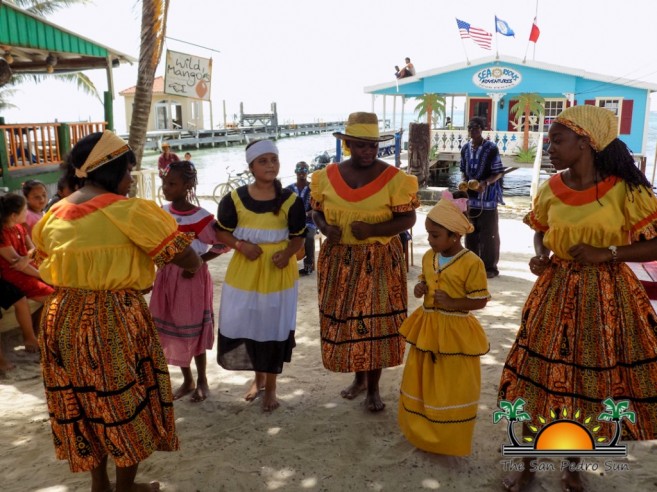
pixel 482 108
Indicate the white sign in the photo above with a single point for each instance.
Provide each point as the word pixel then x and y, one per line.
pixel 188 76
pixel 496 78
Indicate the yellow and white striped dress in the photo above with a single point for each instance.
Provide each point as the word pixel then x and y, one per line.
pixel 258 311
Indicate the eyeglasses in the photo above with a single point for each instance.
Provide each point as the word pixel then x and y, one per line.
pixel 303 170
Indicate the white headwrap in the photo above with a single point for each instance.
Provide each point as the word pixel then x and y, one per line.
pixel 259 148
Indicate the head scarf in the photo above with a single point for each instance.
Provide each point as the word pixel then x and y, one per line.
pixel 598 124
pixel 448 214
pixel 259 148
pixel 109 147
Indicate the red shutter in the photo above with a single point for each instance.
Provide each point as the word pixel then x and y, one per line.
pixel 626 117
pixel 590 102
pixel 512 120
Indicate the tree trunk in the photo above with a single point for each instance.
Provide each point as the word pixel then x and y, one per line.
pixel 525 143
pixel 153 30
pixel 419 143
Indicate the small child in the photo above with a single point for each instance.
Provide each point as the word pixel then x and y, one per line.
pixel 181 303
pixel 265 224
pixel 36 194
pixel 65 186
pixel 442 379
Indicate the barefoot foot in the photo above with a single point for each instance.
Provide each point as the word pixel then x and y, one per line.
pixel 31 345
pixel 373 402
pixel 201 392
pixel 269 402
pixel 184 389
pixel 254 390
pixel 518 481
pixel 571 481
pixel 353 390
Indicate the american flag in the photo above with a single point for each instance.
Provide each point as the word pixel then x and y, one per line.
pixel 479 36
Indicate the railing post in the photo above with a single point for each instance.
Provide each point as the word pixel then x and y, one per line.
pixel 4 159
pixel 109 110
pixel 536 173
pixel 64 138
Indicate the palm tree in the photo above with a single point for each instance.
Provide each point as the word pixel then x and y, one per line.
pixel 615 412
pixel 433 106
pixel 42 8
pixel 528 103
pixel 513 412
pixel 153 31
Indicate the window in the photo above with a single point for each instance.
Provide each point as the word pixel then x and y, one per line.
pixel 614 105
pixel 552 108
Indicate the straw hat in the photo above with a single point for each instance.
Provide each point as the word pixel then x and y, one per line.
pixel 165 145
pixel 364 127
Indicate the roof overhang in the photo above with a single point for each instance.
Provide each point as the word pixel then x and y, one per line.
pixel 32 44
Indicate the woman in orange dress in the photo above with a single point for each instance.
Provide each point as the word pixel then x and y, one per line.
pixel 106 378
pixel 588 331
pixel 361 205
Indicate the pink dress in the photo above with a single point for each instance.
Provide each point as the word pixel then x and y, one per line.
pixel 31 219
pixel 29 285
pixel 182 307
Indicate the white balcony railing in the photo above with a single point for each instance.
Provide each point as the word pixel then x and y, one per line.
pixel 509 143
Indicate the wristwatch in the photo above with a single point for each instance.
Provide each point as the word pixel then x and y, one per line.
pixel 614 253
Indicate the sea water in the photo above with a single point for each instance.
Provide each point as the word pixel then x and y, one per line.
pixel 215 163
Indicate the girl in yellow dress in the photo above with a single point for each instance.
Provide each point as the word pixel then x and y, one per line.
pixel 442 379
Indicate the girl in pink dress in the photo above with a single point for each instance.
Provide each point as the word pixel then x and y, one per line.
pixel 36 194
pixel 181 303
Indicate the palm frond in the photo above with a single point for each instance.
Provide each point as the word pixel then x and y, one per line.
pixel 45 7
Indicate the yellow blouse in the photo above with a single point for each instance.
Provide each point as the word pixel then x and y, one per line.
pixel 392 191
pixel 107 243
pixel 610 215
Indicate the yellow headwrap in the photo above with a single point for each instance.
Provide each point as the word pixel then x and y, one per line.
pixel 448 215
pixel 598 124
pixel 109 147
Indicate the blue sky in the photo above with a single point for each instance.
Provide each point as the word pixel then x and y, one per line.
pixel 314 58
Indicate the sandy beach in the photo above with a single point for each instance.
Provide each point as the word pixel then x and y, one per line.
pixel 316 440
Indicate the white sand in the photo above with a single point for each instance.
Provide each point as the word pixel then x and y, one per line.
pixel 316 440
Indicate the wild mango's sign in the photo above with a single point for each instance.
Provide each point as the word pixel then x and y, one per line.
pixel 496 78
pixel 188 75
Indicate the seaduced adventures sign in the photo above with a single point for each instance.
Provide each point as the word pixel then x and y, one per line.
pixel 496 78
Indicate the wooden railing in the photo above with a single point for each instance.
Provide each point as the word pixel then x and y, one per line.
pixel 38 145
pixel 509 143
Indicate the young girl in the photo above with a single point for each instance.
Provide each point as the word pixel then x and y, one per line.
pixel 181 303
pixel 441 382
pixel 265 224
pixel 15 265
pixel 36 194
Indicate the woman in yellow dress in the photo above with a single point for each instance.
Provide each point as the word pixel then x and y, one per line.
pixel 440 388
pixel 361 205
pixel 106 378
pixel 588 331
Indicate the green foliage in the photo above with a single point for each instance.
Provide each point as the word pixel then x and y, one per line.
pixel 431 105
pixel 526 156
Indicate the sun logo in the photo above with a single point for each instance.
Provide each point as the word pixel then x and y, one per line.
pixel 563 436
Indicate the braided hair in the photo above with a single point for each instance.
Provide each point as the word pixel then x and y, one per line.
pixel 617 160
pixel 187 172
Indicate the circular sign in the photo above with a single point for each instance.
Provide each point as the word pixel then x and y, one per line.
pixel 496 78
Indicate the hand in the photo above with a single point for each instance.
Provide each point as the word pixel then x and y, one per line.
pixel 538 264
pixel 188 274
pixel 441 299
pixel 420 289
pixel 361 230
pixel 333 233
pixel 21 263
pixel 584 253
pixel 281 259
pixel 250 250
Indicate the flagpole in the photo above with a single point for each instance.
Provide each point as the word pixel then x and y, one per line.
pixel 535 20
pixel 497 42
pixel 464 50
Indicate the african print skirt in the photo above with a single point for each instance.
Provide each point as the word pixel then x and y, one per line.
pixel 588 333
pixel 106 379
pixel 363 301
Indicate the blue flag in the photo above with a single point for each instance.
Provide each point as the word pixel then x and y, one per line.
pixel 503 28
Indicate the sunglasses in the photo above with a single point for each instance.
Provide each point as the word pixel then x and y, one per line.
pixel 301 170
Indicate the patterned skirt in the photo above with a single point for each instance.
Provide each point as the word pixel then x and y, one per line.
pixel 588 333
pixel 106 379
pixel 363 301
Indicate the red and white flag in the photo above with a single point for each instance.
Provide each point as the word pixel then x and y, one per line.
pixel 536 32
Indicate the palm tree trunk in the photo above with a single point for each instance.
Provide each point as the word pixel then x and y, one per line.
pixel 525 128
pixel 419 143
pixel 153 31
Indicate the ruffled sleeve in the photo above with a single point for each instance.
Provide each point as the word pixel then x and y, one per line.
pixel 227 214
pixel 317 186
pixel 537 217
pixel 476 285
pixel 296 217
pixel 404 193
pixel 641 214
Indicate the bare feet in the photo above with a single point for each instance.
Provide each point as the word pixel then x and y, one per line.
pixel 257 386
pixel 269 401
pixel 31 345
pixel 201 392
pixel 373 402
pixel 353 390
pixel 5 366
pixel 571 481
pixel 184 389
pixel 518 480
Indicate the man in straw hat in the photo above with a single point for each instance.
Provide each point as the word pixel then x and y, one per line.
pixel 361 205
pixel 167 157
